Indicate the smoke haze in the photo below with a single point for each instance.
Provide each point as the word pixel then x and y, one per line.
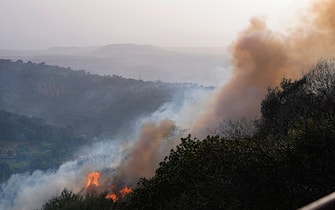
pixel 147 152
pixel 31 191
pixel 121 161
pixel 261 58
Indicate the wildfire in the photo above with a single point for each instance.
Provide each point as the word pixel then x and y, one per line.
pixel 112 196
pixel 123 192
pixel 93 181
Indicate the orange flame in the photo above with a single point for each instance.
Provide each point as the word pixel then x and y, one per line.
pixel 92 179
pixel 123 192
pixel 112 196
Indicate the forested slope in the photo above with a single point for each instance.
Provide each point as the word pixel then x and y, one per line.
pixel 92 105
pixel 28 144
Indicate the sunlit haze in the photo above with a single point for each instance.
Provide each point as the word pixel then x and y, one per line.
pixel 39 24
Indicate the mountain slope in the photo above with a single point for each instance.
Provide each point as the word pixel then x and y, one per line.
pixel 91 104
pixel 28 144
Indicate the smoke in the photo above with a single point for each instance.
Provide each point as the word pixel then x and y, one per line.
pixel 151 148
pixel 31 191
pixel 121 161
pixel 262 57
pixel 159 133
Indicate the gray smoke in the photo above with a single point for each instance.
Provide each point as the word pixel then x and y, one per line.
pixel 31 191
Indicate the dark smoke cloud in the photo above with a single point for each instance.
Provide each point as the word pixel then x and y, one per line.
pixel 262 57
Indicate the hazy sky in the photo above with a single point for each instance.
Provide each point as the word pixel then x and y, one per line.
pixel 37 24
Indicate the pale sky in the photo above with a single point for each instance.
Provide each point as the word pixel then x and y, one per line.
pixel 39 24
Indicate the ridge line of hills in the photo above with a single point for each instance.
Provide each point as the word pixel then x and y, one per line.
pixel 205 66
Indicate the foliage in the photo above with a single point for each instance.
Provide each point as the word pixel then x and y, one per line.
pixel 71 201
pixel 312 97
pixel 241 128
pixel 28 143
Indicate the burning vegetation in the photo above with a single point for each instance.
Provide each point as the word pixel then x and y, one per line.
pixel 113 193
pixel 92 180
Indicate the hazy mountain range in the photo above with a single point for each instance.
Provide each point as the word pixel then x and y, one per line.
pixel 202 65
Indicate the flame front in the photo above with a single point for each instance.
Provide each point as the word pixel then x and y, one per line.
pixel 112 196
pixel 92 179
pixel 123 192
pixel 93 182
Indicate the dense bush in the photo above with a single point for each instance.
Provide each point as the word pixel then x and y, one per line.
pixel 70 201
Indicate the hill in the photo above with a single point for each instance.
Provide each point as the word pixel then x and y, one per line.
pixel 90 104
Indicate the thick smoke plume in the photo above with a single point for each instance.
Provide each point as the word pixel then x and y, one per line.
pixel 147 152
pixel 262 57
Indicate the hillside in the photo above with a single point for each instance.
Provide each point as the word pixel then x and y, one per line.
pixel 91 105
pixel 28 144
pixel 286 163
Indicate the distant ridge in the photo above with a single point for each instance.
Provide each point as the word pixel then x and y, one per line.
pixel 202 65
pixel 131 49
pixel 71 50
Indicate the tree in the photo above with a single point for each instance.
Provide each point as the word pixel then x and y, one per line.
pixel 68 200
